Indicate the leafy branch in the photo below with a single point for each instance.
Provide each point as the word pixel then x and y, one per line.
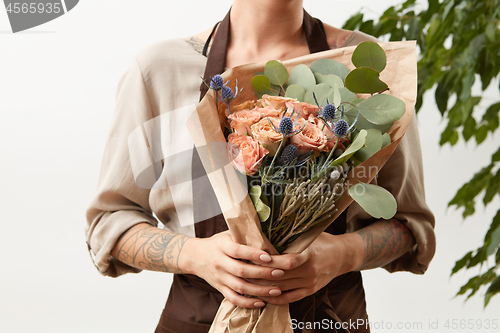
pixel 459 43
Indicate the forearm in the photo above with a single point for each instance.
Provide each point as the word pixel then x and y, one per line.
pixel 146 247
pixel 382 242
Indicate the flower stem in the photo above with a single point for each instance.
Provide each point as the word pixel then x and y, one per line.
pixel 275 155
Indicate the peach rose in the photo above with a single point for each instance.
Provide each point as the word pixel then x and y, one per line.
pixel 247 105
pixel 330 136
pixel 266 135
pixel 304 108
pixel 246 154
pixel 310 138
pixel 276 102
pixel 268 111
pixel 241 121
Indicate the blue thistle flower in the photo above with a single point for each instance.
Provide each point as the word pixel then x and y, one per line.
pixel 289 154
pixel 227 94
pixel 329 112
pixel 341 128
pixel 217 82
pixel 286 125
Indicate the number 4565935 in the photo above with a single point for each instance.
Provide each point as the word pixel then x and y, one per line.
pixel 34 7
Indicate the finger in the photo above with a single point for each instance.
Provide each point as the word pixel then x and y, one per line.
pixel 288 261
pixel 288 297
pixel 248 271
pixel 244 287
pixel 239 300
pixel 239 251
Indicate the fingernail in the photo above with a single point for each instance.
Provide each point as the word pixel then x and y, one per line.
pixel 265 257
pixel 258 304
pixel 275 292
pixel 277 273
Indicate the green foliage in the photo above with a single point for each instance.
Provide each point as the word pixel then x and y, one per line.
pixel 369 54
pixel 364 80
pixel 263 210
pixel 357 144
pixel 375 200
pixel 373 144
pixel 382 109
pixel 459 43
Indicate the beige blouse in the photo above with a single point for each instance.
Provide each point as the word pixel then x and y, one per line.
pixel 154 97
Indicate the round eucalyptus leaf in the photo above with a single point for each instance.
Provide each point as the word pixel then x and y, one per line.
pixel 369 54
pixel 375 200
pixel 373 144
pixel 261 83
pixel 387 140
pixel 321 91
pixel 336 97
pixel 295 91
pixel 301 74
pixel 357 144
pixel 329 66
pixel 263 210
pixel 330 79
pixel 347 95
pixel 364 80
pixel 351 112
pixel 382 109
pixel 276 72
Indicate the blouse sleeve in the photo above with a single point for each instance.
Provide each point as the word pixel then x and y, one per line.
pixel 119 203
pixel 402 175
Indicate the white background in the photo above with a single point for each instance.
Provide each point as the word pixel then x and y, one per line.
pixel 57 90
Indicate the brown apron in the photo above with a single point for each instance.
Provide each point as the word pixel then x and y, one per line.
pixel 193 303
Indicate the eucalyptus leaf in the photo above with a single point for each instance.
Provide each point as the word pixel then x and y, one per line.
pixel 369 54
pixel 302 75
pixel 351 112
pixel 321 91
pixel 386 140
pixel 347 95
pixel 364 80
pixel 375 200
pixel 357 144
pixel 329 66
pixel 261 83
pixel 336 97
pixel 263 210
pixel 382 109
pixel 295 91
pixel 276 72
pixel 330 79
pixel 373 144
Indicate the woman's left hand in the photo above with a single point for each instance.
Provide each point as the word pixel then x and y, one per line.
pixel 305 273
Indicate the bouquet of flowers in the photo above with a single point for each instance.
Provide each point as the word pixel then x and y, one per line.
pixel 303 143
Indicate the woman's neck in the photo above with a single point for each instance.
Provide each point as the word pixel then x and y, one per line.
pixel 263 30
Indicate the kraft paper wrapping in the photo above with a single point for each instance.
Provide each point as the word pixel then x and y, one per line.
pixel 400 75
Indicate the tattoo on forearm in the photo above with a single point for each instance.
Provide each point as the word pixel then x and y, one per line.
pixel 146 249
pixel 385 241
pixel 196 43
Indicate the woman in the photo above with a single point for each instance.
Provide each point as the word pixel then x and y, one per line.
pixel 123 233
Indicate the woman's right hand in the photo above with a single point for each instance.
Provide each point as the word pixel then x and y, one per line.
pixel 222 263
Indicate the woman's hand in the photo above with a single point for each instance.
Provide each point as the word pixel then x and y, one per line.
pixel 305 273
pixel 218 260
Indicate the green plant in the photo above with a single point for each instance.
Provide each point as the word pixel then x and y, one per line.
pixel 459 43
